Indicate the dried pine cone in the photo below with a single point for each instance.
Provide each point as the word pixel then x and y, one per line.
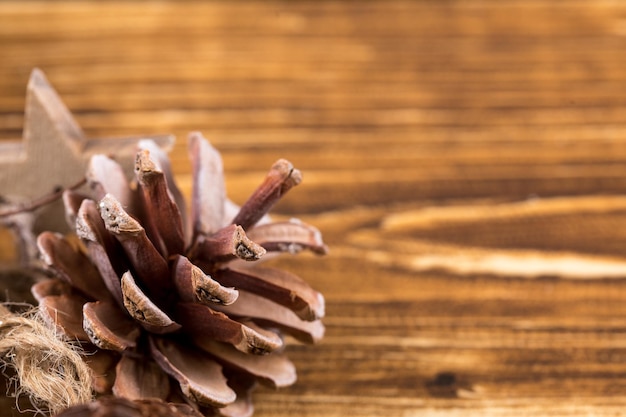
pixel 162 299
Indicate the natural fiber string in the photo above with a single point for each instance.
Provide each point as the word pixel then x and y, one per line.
pixel 49 371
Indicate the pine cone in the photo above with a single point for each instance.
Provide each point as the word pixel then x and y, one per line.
pixel 162 299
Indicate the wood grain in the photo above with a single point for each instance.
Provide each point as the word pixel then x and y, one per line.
pixel 464 160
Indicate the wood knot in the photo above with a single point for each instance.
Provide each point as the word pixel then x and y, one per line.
pixel 449 385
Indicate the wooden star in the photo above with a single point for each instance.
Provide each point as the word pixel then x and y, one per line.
pixel 54 152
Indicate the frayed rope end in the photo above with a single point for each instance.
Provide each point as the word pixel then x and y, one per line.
pixel 49 370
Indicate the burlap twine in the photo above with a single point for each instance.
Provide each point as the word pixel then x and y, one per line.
pixel 50 371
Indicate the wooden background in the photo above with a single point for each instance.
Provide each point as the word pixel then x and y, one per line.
pixel 465 161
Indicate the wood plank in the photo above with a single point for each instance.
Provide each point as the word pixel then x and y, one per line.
pixel 464 160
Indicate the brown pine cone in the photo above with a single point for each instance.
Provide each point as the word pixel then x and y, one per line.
pixel 161 299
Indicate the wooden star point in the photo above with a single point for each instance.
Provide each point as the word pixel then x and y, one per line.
pixel 54 151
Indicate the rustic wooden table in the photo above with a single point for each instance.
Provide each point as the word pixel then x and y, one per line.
pixel 464 160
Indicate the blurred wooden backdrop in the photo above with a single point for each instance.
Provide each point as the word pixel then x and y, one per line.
pixel 464 159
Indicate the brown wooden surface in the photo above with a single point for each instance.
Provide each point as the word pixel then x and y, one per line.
pixel 464 159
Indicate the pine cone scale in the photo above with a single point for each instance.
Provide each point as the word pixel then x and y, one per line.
pixel 278 286
pixel 205 322
pixel 193 285
pixel 65 313
pixel 290 236
pixel 199 376
pixel 281 178
pixel 163 213
pixel 274 370
pixel 208 193
pixel 141 308
pixel 108 327
pixel 138 378
pixel 71 265
pixel 273 315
